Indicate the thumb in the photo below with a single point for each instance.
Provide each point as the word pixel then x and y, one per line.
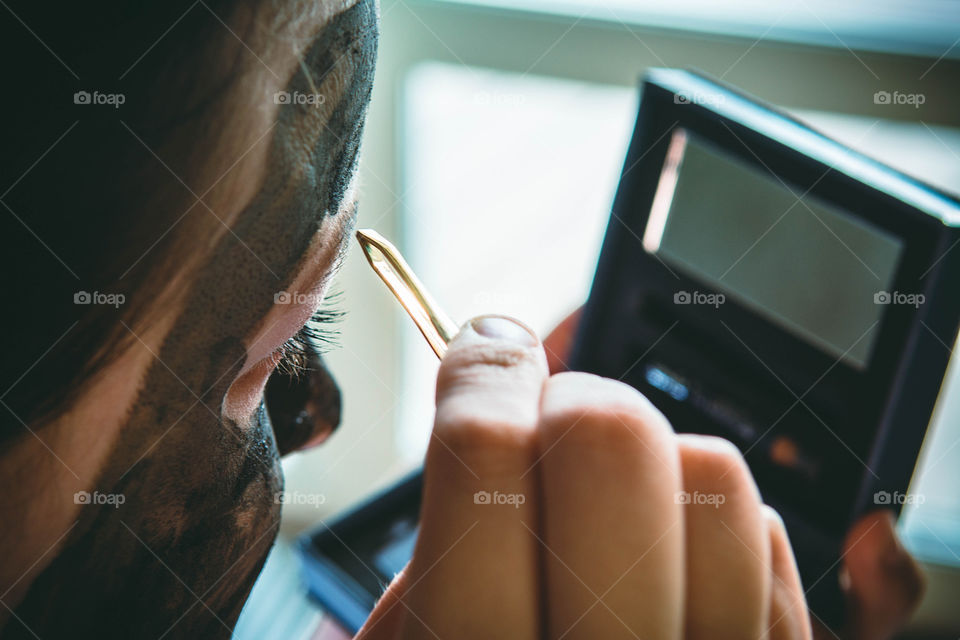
pixel 469 550
pixel 885 584
pixel 474 571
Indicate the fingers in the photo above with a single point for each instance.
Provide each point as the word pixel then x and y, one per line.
pixel 612 531
pixel 559 343
pixel 885 583
pixel 475 568
pixel 788 618
pixel 727 543
pixel 567 507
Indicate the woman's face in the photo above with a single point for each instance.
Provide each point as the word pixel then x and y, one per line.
pixel 178 426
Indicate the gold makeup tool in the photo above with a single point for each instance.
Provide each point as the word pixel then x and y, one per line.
pixel 435 325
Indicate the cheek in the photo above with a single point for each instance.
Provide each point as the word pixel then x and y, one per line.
pixel 179 455
pixel 206 463
pixel 200 508
pixel 259 474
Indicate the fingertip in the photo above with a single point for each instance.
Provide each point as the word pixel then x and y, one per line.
pixel 504 329
pixel 490 348
pixel 774 519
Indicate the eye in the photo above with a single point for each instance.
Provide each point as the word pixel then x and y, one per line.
pixel 319 334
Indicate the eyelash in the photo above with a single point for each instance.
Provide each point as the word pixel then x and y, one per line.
pixel 318 335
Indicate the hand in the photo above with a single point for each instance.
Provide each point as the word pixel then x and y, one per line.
pixel 883 583
pixel 565 506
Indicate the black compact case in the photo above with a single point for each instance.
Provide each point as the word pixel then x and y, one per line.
pixel 760 282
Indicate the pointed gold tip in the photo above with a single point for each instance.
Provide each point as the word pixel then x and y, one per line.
pixel 434 324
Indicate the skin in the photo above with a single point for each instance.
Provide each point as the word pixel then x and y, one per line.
pixel 176 425
pixel 194 454
pixel 593 455
pixel 589 455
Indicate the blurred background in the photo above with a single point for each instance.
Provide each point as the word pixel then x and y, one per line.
pixel 492 152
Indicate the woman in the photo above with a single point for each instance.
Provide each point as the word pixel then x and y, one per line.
pixel 169 170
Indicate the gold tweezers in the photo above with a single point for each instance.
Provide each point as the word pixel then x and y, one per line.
pixel 435 325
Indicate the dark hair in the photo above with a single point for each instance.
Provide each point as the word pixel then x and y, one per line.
pixel 93 91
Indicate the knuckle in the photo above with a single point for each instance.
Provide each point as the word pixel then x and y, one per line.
pixel 472 363
pixel 487 405
pixel 481 441
pixel 598 412
pixel 710 461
